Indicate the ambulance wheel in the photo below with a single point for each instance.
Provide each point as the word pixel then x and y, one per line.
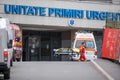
pixel 7 74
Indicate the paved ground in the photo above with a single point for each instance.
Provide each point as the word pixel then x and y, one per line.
pixel 64 70
pixel 55 71
pixel 110 67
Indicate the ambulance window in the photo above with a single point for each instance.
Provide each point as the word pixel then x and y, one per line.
pixel 78 43
pixel 89 44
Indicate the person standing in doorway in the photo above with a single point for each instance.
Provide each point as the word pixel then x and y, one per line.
pixel 82 52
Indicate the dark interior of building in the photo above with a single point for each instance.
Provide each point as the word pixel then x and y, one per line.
pixel 39 45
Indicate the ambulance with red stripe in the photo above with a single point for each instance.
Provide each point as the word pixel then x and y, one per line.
pixel 90 45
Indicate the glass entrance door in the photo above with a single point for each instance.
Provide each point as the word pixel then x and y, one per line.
pixel 39 45
pixel 34 48
pixel 45 48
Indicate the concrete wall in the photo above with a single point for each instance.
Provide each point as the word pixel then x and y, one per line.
pixel 56 21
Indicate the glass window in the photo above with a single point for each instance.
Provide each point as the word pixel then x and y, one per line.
pixel 88 43
pixel 78 43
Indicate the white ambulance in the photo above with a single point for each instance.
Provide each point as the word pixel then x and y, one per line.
pixel 6 49
pixel 90 45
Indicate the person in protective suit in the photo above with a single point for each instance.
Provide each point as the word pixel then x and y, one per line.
pixel 82 52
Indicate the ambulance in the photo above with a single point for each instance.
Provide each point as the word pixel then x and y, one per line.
pixel 90 45
pixel 6 49
pixel 17 42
